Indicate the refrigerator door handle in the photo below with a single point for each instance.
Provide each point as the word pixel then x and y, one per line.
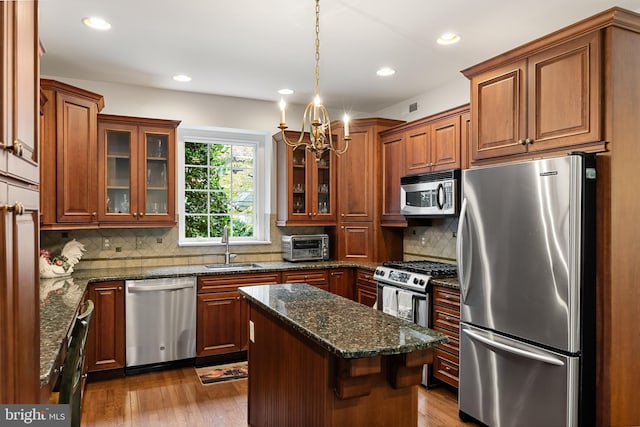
pixel 514 350
pixel 464 281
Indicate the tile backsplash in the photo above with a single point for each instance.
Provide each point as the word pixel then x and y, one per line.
pixel 436 241
pixel 135 247
pixel 138 247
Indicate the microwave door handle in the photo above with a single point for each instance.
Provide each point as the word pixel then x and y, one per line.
pixel 460 250
pixel 441 196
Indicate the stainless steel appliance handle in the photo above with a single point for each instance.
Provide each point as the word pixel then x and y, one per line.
pixel 514 350
pixel 149 288
pixel 464 281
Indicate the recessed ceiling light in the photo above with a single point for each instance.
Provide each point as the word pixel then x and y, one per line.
pixel 386 72
pixel 96 23
pixel 285 91
pixel 448 38
pixel 181 78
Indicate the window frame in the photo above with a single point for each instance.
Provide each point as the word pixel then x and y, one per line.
pixel 262 180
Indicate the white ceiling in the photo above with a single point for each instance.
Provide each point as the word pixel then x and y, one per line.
pixel 252 48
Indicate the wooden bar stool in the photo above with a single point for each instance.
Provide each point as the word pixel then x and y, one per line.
pixel 71 380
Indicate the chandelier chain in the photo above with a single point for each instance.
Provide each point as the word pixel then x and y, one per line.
pixel 317 46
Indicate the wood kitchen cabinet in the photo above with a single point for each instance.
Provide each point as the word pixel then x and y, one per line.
pixel 105 347
pixel 69 163
pixel 546 101
pixel 306 186
pixel 446 319
pixel 358 233
pixel 19 203
pixel 136 171
pixel 365 288
pixel 340 282
pixel 433 144
pixel 392 170
pixel 222 313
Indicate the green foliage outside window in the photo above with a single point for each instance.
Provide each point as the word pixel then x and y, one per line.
pixel 219 189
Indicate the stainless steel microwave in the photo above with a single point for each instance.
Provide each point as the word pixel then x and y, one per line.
pixel 431 194
pixel 305 247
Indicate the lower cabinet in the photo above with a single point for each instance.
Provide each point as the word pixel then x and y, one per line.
pixel 106 340
pixel 446 319
pixel 223 316
pixel 366 288
pixel 340 282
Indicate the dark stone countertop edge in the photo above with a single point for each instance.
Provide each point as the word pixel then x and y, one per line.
pixel 450 282
pixel 435 338
pixel 59 301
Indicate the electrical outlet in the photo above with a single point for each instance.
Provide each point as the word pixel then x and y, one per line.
pixel 106 243
pixel 139 242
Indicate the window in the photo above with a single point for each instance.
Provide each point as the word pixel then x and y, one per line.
pixel 224 179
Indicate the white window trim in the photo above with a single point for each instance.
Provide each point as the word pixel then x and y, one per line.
pixel 262 180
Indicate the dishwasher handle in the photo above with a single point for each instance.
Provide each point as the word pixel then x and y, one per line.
pixel 151 288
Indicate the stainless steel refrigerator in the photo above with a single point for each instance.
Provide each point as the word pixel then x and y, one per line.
pixel 526 264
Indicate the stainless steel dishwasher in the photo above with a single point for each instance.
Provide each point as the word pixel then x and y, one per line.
pixel 160 320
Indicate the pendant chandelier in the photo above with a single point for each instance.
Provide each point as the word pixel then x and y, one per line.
pixel 315 118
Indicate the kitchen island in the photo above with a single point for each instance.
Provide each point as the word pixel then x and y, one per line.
pixel 317 359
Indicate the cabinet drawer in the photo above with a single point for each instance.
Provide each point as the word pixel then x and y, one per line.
pixel 445 367
pixel 453 345
pixel 318 278
pixel 446 318
pixel 366 277
pixel 225 283
pixel 446 297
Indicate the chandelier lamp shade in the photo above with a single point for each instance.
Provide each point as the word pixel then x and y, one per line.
pixel 315 119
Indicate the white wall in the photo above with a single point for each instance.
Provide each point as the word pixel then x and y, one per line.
pixel 453 94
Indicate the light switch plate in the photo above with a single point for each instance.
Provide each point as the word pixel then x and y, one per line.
pixel 251 333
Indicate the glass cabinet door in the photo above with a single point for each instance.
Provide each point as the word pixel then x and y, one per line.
pixel 299 184
pixel 156 166
pixel 323 187
pixel 118 172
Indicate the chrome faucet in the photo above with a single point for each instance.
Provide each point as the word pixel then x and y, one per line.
pixel 225 239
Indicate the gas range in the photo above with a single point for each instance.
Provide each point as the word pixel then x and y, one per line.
pixel 413 275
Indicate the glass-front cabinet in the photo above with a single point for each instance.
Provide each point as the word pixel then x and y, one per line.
pixel 136 170
pixel 306 185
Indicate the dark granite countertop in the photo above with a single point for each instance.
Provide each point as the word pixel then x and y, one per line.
pixel 449 282
pixel 339 325
pixel 60 297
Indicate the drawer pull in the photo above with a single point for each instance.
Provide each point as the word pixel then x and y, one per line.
pixel 446 368
pixel 446 296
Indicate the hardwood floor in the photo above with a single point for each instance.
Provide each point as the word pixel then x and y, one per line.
pixel 176 398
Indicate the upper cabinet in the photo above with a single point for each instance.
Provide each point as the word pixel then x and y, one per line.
pixel 136 171
pixel 306 186
pixel 432 145
pixel 69 156
pixel 545 101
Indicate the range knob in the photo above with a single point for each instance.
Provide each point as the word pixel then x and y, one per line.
pixel 421 282
pixel 415 280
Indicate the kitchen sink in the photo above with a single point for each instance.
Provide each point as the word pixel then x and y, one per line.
pixel 219 267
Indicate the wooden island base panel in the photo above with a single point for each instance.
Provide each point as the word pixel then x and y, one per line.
pixel 306 371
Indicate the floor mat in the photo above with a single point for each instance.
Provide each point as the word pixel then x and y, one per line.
pixel 220 373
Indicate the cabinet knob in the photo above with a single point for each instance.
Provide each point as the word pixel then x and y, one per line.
pixel 342 215
pixel 529 141
pixel 342 226
pixel 135 214
pixel 94 213
pixel 310 214
pixel 120 288
pixel 16 148
pixel 17 208
pixel 141 214
pixel 522 142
